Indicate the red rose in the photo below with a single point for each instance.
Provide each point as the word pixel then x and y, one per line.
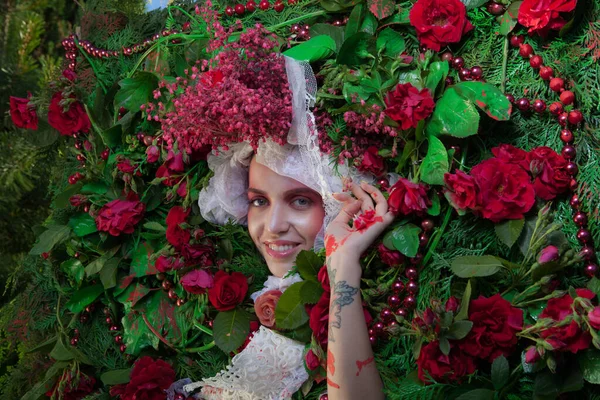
pixel 443 368
pixel 149 380
pixel 264 306
pixel 22 115
pixel 69 391
pixel 495 325
pixel 70 75
pixel 372 162
pixel 462 191
pixel 195 254
pixel 166 264
pixel 439 22
pixel 506 190
pixel 75 120
pixel 568 337
pixel 512 155
pixel 541 16
pixel 228 291
pixel 120 216
pixel 319 319
pixel 152 154
pixel 407 105
pixel 393 258
pixel 594 317
pixel 197 281
pixel 407 197
pixel 550 172
pixel 173 165
pixel 125 167
pixel 452 305
pixel 323 277
pixel 176 235
pixel 311 360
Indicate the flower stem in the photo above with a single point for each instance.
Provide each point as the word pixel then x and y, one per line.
pixel 504 64
pixel 200 349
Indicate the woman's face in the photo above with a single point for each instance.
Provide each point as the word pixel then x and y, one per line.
pixel 284 217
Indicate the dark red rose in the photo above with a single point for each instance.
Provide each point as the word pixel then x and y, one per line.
pixel 125 167
pixel 452 305
pixel 372 162
pixel 197 281
pixel 152 154
pixel 568 337
pixel 75 120
pixel 319 319
pixel 542 16
pixel 407 198
pixel 323 277
pixel 173 165
pixel 439 22
pixel 393 258
pixel 182 189
pixel 443 368
pixel 462 191
pixel 311 360
pixel 495 325
pixel 506 190
pixel 120 216
pixel 195 254
pixel 69 391
pixel 176 235
pixel 408 105
pixel 23 115
pixel 166 264
pixel 149 380
pixel 511 154
pixel 549 170
pixel 70 75
pixel 228 291
pixel 78 200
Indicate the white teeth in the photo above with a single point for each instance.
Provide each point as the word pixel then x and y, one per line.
pixel 281 248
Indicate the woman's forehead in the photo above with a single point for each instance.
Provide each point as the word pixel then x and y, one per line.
pixel 264 180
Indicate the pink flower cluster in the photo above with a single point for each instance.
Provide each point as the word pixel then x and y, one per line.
pixel 240 95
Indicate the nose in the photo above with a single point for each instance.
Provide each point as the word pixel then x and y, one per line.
pixel 278 220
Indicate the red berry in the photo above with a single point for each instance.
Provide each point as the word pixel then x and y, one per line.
pixel 251 6
pixel 447 56
pixel 229 11
pixel 546 73
pixel 563 118
pixel 575 117
pixel 525 50
pixel 510 97
pixel 567 97
pixel 517 40
pixel 495 8
pixel 264 5
pixel 458 63
pixel 291 2
pixel 539 106
pixel 72 180
pixel 556 84
pixel 476 72
pixel 279 6
pixel 523 104
pixel 240 9
pixel 536 61
pixel 556 108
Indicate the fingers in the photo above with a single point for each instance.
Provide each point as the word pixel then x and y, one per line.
pixel 381 205
pixel 367 201
pixel 350 208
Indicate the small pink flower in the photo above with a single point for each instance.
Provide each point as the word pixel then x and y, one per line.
pixel 197 281
pixel 594 317
pixel 152 154
pixel 549 253
pixel 531 355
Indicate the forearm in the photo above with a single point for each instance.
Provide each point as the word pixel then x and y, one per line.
pixel 351 370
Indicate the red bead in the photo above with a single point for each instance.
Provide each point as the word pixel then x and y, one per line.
pixel 447 56
pixel 291 2
pixel 398 286
pixel 76 255
pixel 417 259
pixel 573 184
pixel 584 236
pixel 423 239
pixel 587 253
pixel 114 328
pixel 495 8
pixel 251 6
pixel 386 315
pixel 580 218
pixel 179 396
pixel 574 202
pixel 278 6
pixel 536 61
pixel 378 328
pixel 572 168
pixel 566 136
pixel 517 40
pixel 411 273
pixel 76 332
pixel 458 63
pixel 229 11
pixel 449 81
pixel 172 295
pixel 401 312
pixel 525 50
pixel 410 302
pixel 476 72
pixel 575 117
pixel 86 208
pixel 186 27
pixel 563 119
pixel 412 287
pixel 394 301
pixel 427 225
pixel 106 311
pixel 127 51
pixel 556 84
pixel 539 106
pixel 264 5
pixel 83 318
pixel 373 340
pixel 72 180
pixel 568 152
pixel 240 9
pixel 109 321
pixel 119 339
pixel 546 73
pixel 74 341
pixel 510 98
pixel 122 348
pixel 166 285
pixel 590 270
pixel 567 97
pixel 556 108
pixel 523 104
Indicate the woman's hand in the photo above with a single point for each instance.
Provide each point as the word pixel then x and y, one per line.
pixel 369 210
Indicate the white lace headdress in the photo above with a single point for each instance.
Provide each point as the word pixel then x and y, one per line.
pixel 225 196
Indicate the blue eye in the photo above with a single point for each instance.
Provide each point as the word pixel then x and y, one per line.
pixel 257 202
pixel 302 202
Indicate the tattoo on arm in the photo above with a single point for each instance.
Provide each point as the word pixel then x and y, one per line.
pixel 342 295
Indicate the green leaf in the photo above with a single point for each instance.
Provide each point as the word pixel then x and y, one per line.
pixel 60 352
pixel 302 334
pixel 113 136
pixel 308 265
pixel 74 269
pixel 589 362
pixel 369 24
pixel 310 292
pixel 508 21
pixel 84 297
pixel 594 285
pixel 487 97
pixel 108 274
pixel 45 346
pixel 538 271
pixel 469 4
pixel 477 394
pixel 62 200
pixel 133 294
pixel 338 5
pixel 116 377
pixel 463 313
pixel 475 266
pixel 47 383
pixel 453 115
pixel 54 235
pixel 459 330
pixel 436 206
pixel 437 72
pixel 290 312
pixel 94 188
pixel 356 48
pixel 334 32
pixel 160 312
pixel 314 49
pixel 140 264
pixel 230 329
pixel 136 91
pixel 82 224
pixel 404 238
pixel 444 345
pixel 136 333
pixel 509 231
pixel 391 43
pixel 435 164
pixel 350 91
pixel 95 266
pixel 500 372
pixel 381 8
pixel 155 226
pixel 354 21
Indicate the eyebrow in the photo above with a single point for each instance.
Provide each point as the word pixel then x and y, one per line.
pixel 304 191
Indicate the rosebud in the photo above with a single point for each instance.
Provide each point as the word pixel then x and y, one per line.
pixel 312 361
pixel 152 154
pixel 531 355
pixel 594 317
pixel 452 305
pixel 549 253
pixel 389 257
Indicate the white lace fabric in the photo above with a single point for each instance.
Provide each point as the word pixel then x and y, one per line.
pixel 271 367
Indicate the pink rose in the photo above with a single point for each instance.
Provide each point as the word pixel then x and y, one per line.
pixel 152 154
pixel 197 281
pixel 312 361
pixel 265 307
pixel 594 317
pixel 548 253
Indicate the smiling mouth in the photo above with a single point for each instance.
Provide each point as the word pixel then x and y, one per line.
pixel 281 251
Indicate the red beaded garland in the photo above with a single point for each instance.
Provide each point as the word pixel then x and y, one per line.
pixel 525 50
pixel 539 106
pixel 536 61
pixel 566 136
pixel 557 84
pixel 546 73
pixel 567 97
